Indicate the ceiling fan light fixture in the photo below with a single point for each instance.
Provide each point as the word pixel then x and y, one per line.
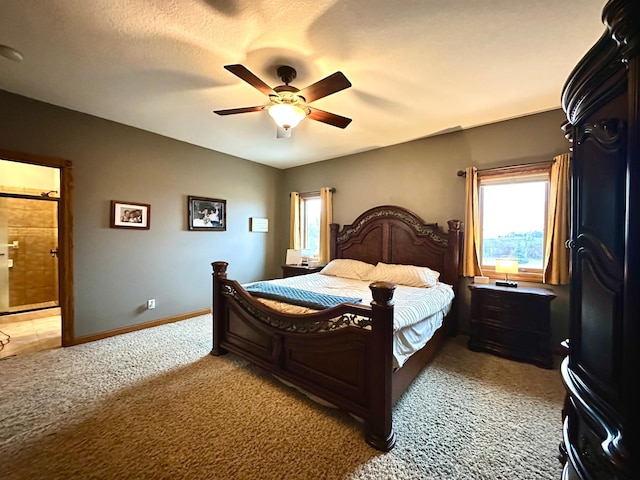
pixel 288 105
pixel 286 115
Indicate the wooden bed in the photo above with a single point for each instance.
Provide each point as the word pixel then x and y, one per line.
pixel 351 366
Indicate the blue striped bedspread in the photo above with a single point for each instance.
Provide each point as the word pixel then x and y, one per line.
pixel 296 296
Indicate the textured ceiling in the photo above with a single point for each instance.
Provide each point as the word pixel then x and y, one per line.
pixel 418 67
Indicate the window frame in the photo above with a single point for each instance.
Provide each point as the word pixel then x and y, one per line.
pixel 304 197
pixel 510 175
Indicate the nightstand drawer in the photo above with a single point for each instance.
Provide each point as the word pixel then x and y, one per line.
pixel 512 322
pixel 523 315
pixel 512 340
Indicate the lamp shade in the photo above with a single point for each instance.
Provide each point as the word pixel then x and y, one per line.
pixel 286 115
pixel 506 265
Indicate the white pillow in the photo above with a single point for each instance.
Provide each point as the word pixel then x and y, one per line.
pixel 347 268
pixel 409 275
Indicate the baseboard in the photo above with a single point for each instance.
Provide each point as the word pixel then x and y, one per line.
pixel 138 326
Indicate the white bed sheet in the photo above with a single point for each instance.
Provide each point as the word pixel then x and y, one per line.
pixel 418 312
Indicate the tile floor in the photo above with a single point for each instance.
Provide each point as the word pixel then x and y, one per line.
pixel 30 332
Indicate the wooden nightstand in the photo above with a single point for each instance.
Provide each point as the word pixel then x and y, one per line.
pixel 294 270
pixel 512 322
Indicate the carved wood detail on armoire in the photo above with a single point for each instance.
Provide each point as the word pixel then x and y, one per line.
pixel 601 370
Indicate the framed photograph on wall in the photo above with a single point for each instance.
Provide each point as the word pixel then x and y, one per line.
pixel 130 215
pixel 207 213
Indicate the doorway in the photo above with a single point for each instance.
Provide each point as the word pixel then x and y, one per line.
pixel 35 242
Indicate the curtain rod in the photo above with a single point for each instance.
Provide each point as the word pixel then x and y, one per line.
pixel 332 189
pixel 462 173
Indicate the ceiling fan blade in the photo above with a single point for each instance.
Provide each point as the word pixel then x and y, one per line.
pixel 233 111
pixel 327 117
pixel 283 133
pixel 243 73
pixel 328 85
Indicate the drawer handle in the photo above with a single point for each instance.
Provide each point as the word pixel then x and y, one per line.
pixel 570 243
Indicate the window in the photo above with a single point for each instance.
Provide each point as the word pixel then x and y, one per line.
pixel 310 205
pixel 513 212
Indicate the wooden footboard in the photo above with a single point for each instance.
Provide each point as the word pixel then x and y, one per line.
pixel 342 355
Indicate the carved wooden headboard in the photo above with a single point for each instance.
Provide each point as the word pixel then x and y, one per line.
pixel 393 234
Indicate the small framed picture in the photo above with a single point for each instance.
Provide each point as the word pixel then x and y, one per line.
pixel 130 215
pixel 207 213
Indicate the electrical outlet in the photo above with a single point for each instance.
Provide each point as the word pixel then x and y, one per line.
pixel 151 303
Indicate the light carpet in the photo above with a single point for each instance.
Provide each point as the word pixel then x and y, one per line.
pixel 154 404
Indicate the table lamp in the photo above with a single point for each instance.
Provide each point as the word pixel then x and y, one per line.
pixel 294 257
pixel 506 266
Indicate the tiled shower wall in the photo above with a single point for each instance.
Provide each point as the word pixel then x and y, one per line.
pixel 33 276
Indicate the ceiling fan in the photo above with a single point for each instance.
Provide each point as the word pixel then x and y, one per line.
pixel 288 106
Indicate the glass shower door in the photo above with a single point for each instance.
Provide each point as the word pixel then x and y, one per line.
pixel 28 253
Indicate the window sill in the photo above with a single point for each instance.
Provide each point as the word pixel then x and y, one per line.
pixel 532 277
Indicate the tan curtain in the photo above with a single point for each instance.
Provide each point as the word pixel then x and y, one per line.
pixel 326 217
pixel 556 262
pixel 470 264
pixel 294 231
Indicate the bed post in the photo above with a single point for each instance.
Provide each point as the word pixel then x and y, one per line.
pixel 379 429
pixel 453 251
pixel 333 240
pixel 217 310
pixel 453 262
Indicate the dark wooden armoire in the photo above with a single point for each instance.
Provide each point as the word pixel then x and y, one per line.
pixel 601 371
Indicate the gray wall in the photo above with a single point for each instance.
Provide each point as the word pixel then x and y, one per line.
pixel 422 176
pixel 117 270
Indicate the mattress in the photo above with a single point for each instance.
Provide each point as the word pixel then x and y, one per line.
pixel 418 312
